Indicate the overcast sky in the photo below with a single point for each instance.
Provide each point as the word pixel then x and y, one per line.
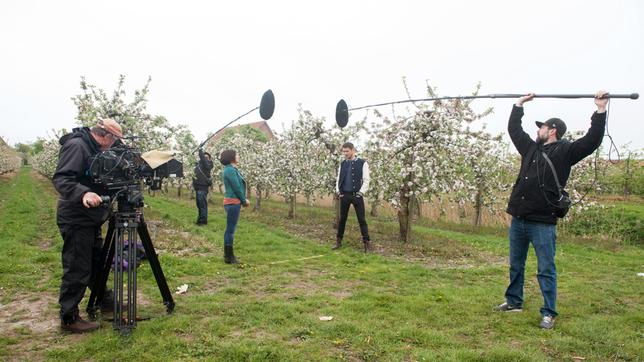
pixel 211 61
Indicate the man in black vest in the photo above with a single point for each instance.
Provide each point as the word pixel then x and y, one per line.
pixel 202 182
pixel 79 218
pixel 351 184
pixel 535 199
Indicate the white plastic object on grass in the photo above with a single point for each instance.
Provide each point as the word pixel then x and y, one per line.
pixel 183 289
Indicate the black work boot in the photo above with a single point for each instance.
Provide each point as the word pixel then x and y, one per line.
pixel 107 305
pixel 338 244
pixel 367 245
pixel 229 255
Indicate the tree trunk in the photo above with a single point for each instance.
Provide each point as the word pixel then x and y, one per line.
pixel 291 206
pixel 404 221
pixel 627 176
pixel 461 211
pixel 258 198
pixel 478 208
pixel 414 208
pixel 404 213
pixel 336 214
pixel 179 189
pixel 374 207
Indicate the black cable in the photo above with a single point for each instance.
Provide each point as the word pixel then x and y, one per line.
pixel 612 147
pixel 612 143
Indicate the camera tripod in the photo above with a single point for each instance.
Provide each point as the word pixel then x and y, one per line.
pixel 124 226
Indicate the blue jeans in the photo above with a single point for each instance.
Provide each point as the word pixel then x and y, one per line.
pixel 543 237
pixel 202 205
pixel 232 216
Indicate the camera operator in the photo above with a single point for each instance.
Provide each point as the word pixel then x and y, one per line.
pixel 536 199
pixel 202 182
pixel 79 218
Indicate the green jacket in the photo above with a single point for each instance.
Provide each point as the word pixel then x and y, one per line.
pixel 234 184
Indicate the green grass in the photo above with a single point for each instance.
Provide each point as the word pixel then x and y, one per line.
pixel 429 300
pixel 28 261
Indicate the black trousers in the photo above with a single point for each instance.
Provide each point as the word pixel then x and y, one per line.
pixel 346 200
pixel 202 206
pixel 81 256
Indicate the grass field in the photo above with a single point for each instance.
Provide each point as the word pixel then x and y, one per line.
pixel 429 300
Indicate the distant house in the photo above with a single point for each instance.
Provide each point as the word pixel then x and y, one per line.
pixel 262 126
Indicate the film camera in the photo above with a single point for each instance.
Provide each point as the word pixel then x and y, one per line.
pixel 123 166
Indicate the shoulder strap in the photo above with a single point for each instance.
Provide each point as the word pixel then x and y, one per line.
pixel 554 173
pixel 201 171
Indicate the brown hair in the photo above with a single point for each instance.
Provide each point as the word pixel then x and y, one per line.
pixel 227 157
pixel 348 145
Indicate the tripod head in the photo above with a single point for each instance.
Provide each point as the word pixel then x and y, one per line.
pixel 128 197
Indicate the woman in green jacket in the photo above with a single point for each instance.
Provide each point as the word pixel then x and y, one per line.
pixel 234 198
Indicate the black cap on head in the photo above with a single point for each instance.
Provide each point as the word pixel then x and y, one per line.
pixel 555 123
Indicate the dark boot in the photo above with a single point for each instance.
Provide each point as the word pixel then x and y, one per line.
pixel 338 244
pixel 107 306
pixel 367 245
pixel 229 255
pixel 78 326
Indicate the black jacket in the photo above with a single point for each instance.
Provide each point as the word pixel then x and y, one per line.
pixel 528 200
pixel 202 179
pixel 71 180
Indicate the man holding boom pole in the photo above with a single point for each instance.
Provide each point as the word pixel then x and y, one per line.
pixel 538 199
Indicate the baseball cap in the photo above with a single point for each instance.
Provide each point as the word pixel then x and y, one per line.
pixel 111 126
pixel 555 123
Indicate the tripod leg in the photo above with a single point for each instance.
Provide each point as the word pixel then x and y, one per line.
pixel 124 234
pixel 131 277
pixel 100 282
pixel 117 323
pixel 151 254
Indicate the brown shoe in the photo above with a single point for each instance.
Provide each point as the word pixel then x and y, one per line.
pixel 338 244
pixel 78 326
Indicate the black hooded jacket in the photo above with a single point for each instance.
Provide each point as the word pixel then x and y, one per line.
pixel 72 182
pixel 528 199
pixel 203 178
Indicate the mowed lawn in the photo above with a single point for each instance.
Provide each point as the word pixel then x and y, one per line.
pixel 430 300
